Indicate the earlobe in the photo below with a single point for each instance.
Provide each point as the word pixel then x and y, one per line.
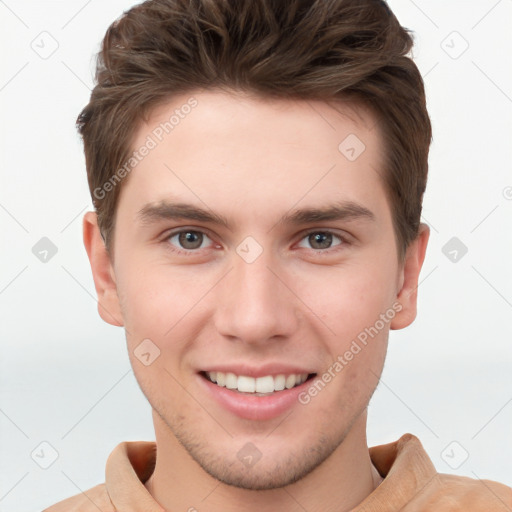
pixel 102 272
pixel 409 276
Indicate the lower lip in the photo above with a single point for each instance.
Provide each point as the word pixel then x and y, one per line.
pixel 253 407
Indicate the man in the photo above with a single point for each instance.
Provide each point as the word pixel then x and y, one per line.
pixel 257 170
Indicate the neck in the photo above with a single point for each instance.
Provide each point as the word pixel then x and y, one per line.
pixel 340 483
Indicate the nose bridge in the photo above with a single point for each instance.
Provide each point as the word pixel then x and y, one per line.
pixel 254 304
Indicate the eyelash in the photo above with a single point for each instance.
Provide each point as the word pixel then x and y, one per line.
pixel 192 252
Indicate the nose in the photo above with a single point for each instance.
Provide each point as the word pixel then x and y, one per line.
pixel 256 303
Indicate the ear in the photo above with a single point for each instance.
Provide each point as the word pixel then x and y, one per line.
pixel 409 275
pixel 102 271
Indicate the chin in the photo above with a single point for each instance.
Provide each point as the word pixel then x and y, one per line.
pixel 274 467
pixel 263 478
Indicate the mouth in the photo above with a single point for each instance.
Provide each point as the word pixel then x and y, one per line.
pixel 267 385
pixel 255 393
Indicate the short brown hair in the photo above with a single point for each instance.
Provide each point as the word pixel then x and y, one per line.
pixel 302 49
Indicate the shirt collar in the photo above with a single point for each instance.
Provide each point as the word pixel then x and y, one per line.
pixel 404 465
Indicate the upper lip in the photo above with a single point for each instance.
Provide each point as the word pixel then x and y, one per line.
pixel 258 371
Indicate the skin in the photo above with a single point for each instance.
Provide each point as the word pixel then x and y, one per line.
pixel 253 160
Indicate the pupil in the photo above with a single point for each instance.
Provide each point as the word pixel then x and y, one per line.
pixel 188 237
pixel 317 237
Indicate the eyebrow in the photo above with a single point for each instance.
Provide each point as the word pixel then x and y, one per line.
pixel 342 210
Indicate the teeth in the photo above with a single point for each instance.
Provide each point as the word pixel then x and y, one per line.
pixel 246 384
pixel 290 381
pixel 231 381
pixel 280 382
pixel 265 385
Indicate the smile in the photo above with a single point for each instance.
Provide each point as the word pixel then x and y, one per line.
pixel 258 386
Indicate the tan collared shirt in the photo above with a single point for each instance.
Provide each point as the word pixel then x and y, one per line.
pixel 410 484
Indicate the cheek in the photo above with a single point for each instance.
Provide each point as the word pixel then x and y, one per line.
pixel 351 299
pixel 165 306
pixel 153 299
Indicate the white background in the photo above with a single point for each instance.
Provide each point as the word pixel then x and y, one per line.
pixel 65 375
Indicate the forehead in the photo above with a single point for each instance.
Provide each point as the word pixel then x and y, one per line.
pixel 213 114
pixel 240 150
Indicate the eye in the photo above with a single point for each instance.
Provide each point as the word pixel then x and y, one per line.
pixel 323 240
pixel 186 240
pixel 189 241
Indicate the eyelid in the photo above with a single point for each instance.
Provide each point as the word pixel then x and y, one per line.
pixel 345 238
pixel 183 229
pixel 180 229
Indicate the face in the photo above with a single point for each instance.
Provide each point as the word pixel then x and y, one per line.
pixel 254 247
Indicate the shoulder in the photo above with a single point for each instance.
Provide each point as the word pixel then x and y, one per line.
pixel 94 499
pixel 453 493
pixel 414 483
